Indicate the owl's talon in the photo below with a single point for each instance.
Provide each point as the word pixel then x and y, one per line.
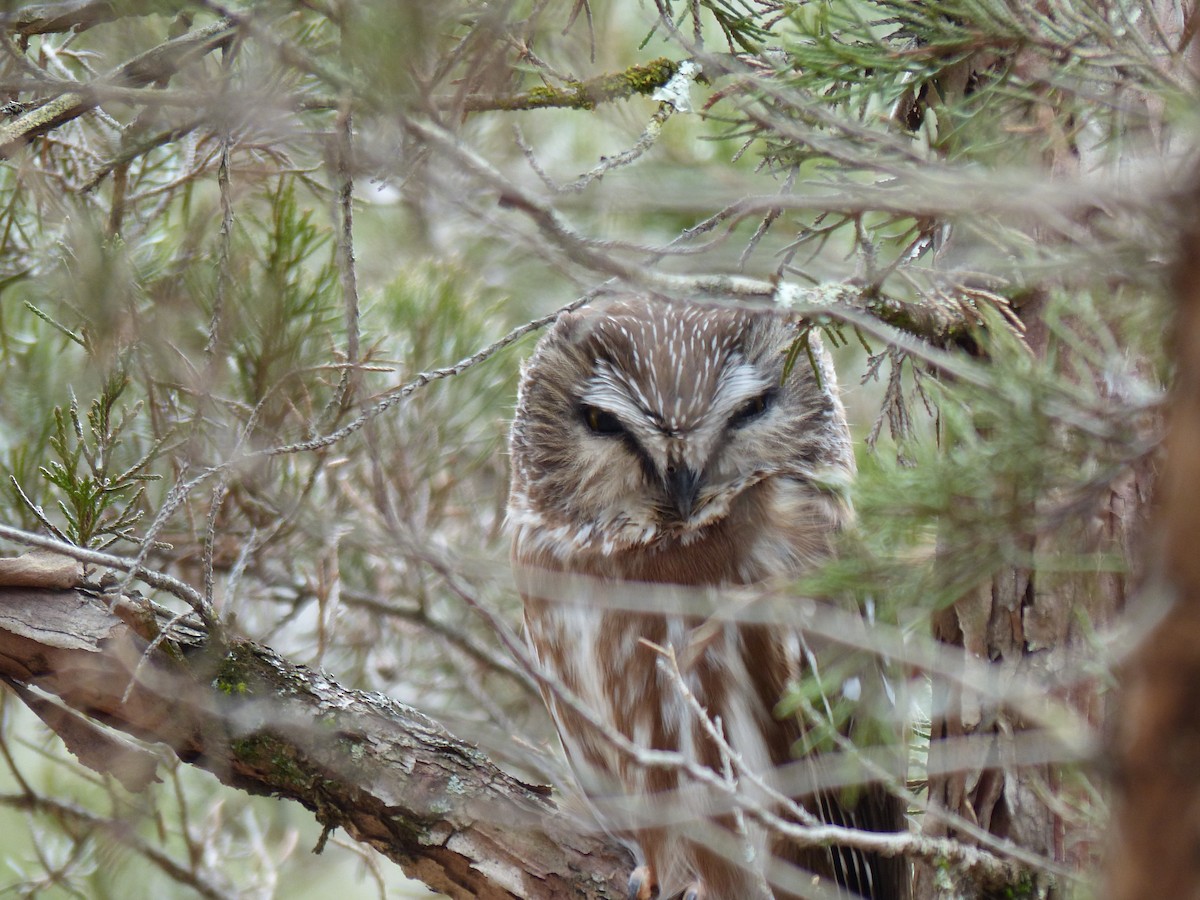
pixel 695 892
pixel 641 884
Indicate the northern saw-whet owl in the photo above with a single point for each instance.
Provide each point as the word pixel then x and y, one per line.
pixel 659 443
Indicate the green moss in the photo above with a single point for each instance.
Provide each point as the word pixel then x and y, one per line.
pixel 235 671
pixel 1027 888
pixel 639 79
pixel 230 686
pixel 277 758
pixel 537 98
pixel 644 79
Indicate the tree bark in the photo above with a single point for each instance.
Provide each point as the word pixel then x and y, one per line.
pixel 385 773
pixel 1156 738
pixel 1031 623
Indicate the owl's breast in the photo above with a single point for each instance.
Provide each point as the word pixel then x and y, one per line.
pixel 778 528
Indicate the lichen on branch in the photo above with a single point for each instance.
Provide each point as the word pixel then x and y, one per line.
pixel 637 79
pixel 389 776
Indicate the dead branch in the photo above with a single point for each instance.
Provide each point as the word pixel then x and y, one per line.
pixel 637 79
pixel 156 64
pixel 385 773
pixel 78 15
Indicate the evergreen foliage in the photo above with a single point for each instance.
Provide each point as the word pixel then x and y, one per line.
pixel 216 359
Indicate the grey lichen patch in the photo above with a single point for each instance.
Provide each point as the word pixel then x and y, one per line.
pixel 357 751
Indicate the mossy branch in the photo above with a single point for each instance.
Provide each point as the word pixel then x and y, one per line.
pixel 637 79
pixel 79 15
pixel 156 64
pixel 388 775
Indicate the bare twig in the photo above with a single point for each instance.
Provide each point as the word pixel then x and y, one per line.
pixel 404 391
pixel 342 149
pixel 118 830
pixel 159 580
pixel 156 64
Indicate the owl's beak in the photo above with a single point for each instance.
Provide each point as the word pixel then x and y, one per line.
pixel 683 487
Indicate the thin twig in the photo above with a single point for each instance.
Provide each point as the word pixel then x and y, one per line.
pixel 155 579
pixel 342 149
pixel 158 63
pixel 119 831
pixel 396 395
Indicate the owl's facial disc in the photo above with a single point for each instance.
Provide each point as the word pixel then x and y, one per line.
pixel 658 424
pixel 687 459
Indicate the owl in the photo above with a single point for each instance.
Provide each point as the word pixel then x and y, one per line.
pixel 659 443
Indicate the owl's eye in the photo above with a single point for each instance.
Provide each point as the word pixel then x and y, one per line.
pixel 600 422
pixel 751 410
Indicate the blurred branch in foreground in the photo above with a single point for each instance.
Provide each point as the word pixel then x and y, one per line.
pixel 387 774
pixel 156 64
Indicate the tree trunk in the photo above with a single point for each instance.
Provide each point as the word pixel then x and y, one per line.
pixel 1035 626
pixel 1156 738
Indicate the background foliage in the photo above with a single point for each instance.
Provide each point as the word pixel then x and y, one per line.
pixel 224 285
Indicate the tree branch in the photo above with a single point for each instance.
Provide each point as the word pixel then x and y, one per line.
pixel 638 79
pixel 385 773
pixel 156 64
pixel 48 18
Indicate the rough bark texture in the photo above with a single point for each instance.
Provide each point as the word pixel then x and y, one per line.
pixel 1033 625
pixel 1029 623
pixel 386 774
pixel 1156 742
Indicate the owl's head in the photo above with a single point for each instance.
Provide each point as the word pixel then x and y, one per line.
pixel 641 421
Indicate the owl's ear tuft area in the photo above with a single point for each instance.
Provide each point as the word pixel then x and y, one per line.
pixel 572 328
pixel 567 326
pixel 576 325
